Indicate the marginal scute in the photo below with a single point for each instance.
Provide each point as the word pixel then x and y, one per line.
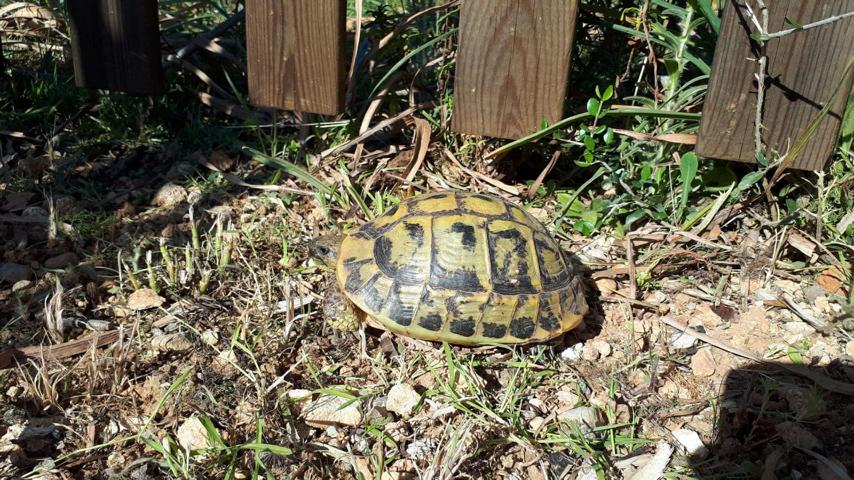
pixel 552 267
pixel 549 315
pixel 522 328
pixel 464 327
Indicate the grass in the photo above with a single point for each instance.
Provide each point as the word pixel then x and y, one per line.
pixel 232 268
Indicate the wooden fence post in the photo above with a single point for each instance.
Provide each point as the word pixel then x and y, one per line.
pixel 295 52
pixel 804 69
pixel 512 65
pixel 115 45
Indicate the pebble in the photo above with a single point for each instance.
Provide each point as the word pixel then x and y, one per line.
pixel 812 292
pixel 703 363
pixel 61 261
pixel 849 348
pixel 822 304
pixel 572 354
pixel 603 347
pixel 209 337
pixel 402 399
pixel 606 285
pixel 171 342
pixel 680 340
pixel 143 299
pixel 331 410
pixel 569 399
pixel 798 330
pixel 692 443
pixel 14 272
pixel 585 418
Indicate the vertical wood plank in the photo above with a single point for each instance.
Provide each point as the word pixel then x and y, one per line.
pixel 295 52
pixel 804 68
pixel 512 65
pixel 115 45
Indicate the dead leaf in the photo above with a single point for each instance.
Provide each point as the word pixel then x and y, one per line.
pixel 831 280
pixel 422 145
pixel 221 160
pixel 143 299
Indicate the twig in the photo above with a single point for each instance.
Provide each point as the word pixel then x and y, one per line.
pixel 824 21
pixel 484 178
pixel 238 181
pixel 760 88
pixel 633 274
pixel 376 128
pixel 59 351
pixel 822 380
pixel 542 176
pixel 202 39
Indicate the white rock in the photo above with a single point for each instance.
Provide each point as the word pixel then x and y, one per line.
pixel 654 469
pixel 536 423
pixel 143 299
pixel 692 443
pixel 402 399
pixel 603 347
pixel 822 304
pixel 849 348
pixel 572 354
pixel 568 399
pixel 680 340
pixel 209 337
pixel 332 410
pixel 298 395
pixel 192 435
pixel 584 418
pixel 797 331
pixel 586 471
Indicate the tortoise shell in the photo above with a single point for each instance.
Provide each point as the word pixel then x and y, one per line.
pixel 462 268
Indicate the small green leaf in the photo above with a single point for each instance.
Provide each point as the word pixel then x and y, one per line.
pixel 688 170
pixel 794 23
pixel 761 160
pixel 795 356
pixel 758 37
pixel 609 92
pixel 748 180
pixel 593 107
pixel 609 136
pixel 589 143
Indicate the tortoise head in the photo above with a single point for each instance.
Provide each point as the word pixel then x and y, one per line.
pixel 325 249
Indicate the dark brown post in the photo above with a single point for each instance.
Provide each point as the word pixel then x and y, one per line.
pixel 804 69
pixel 512 65
pixel 295 52
pixel 115 45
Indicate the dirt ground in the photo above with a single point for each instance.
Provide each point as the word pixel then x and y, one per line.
pixel 723 354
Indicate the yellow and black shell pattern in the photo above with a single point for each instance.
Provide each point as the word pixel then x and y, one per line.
pixel 462 268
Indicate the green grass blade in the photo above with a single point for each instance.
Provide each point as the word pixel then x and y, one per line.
pixel 290 168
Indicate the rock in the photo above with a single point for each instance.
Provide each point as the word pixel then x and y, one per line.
pixel 169 195
pixel 421 448
pixel 798 331
pixel 536 423
pixel 192 435
pixel 402 399
pixel 61 261
pixel 822 304
pixel 568 399
pixel 703 363
pixel 14 272
pixel 589 352
pixel 812 292
pixel 787 286
pixel 298 395
pixel 603 347
pixel 849 348
pixel 171 342
pixel 586 471
pixel 331 410
pixel 796 436
pixel 654 469
pixel 572 354
pixel 584 418
pixel 705 316
pixel 209 337
pixel 692 443
pixel 680 340
pixel 143 299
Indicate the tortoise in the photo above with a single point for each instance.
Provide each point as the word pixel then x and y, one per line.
pixel 459 267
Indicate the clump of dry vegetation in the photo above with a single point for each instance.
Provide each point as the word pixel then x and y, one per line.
pixel 159 315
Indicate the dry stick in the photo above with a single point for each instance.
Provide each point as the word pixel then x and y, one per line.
pixel 238 181
pixel 484 178
pixel 633 274
pixel 536 185
pixel 818 23
pixel 59 351
pixel 820 379
pixel 376 128
pixel 351 74
pixel 760 90
pixel 200 40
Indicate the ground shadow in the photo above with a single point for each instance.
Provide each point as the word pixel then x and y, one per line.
pixel 772 423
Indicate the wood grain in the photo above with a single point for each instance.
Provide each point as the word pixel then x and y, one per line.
pixel 115 45
pixel 8 358
pixel 295 52
pixel 512 65
pixel 804 68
